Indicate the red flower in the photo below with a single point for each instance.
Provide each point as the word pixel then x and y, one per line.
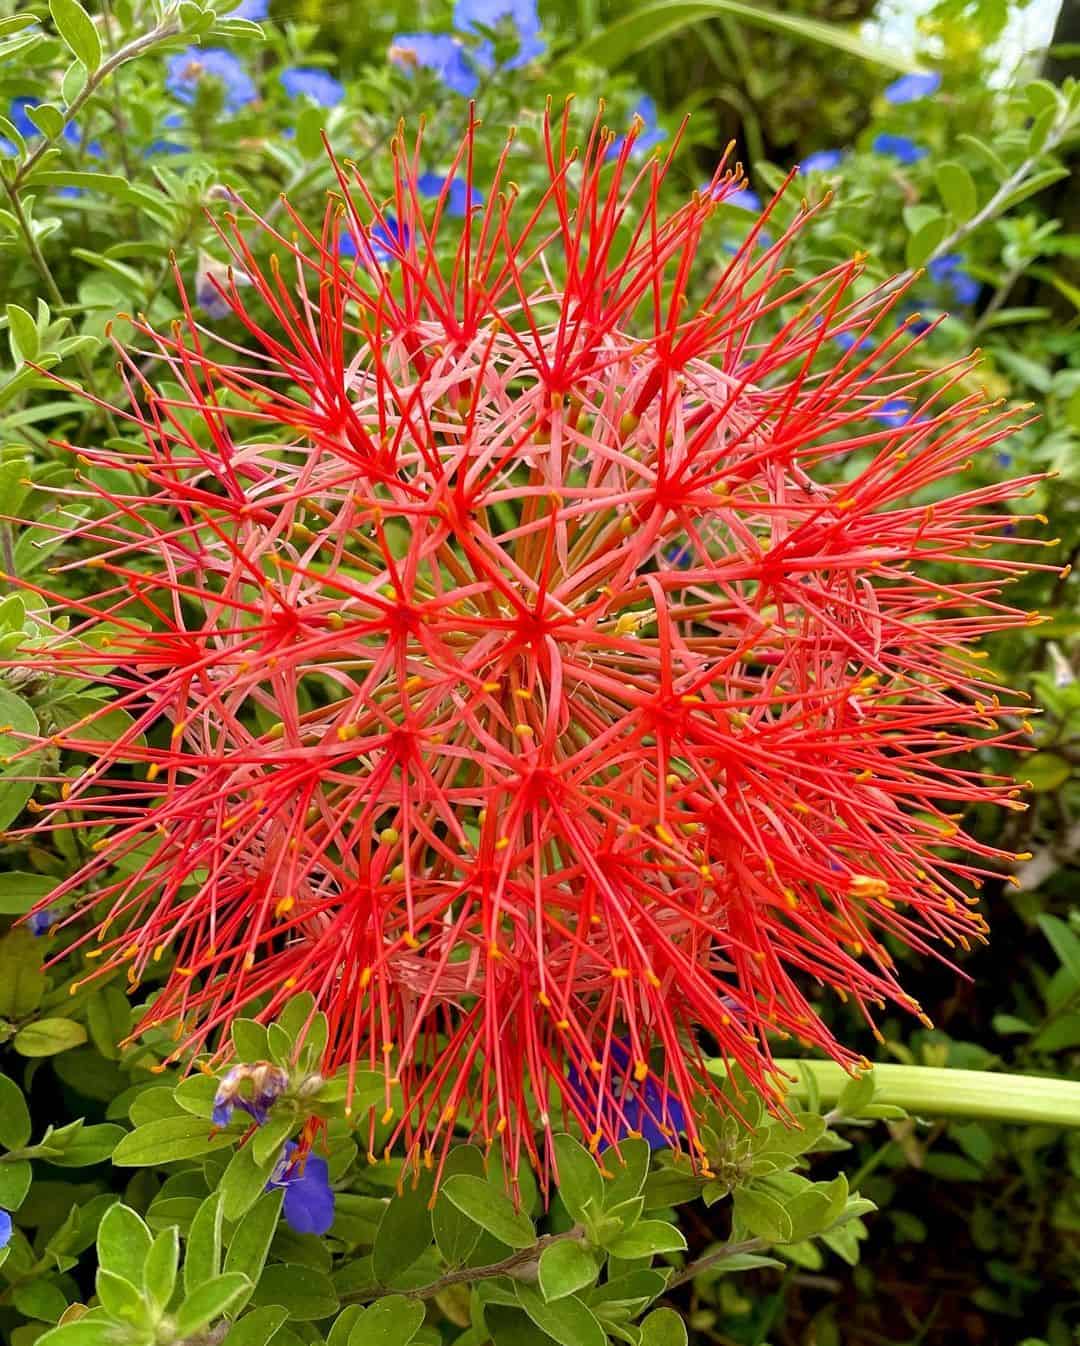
pixel 559 678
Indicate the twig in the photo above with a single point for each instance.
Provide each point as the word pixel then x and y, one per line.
pixel 754 1245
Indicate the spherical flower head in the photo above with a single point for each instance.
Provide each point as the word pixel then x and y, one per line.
pixel 309 1198
pixel 899 147
pixel 535 651
pixel 909 88
pixel 520 16
pixel 310 82
pixel 437 52
pixel 186 70
pixel 821 161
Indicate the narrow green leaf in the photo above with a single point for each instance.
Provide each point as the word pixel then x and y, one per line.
pixel 1064 943
pixel 580 1183
pixel 455 1234
pixel 123 1241
pixel 202 1256
pixel 169 1139
pixel 209 1301
pixel 14 1115
pixel 956 187
pixel 77 29
pixel 46 1037
pixel 647 1238
pixel 405 1231
pixel 924 240
pixel 22 335
pixel 121 1298
pixel 250 1243
pixel 160 1267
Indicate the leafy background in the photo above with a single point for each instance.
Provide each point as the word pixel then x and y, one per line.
pixel 976 1234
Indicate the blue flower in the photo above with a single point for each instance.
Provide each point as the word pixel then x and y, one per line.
pixel 651 134
pixel 744 199
pixel 908 88
pixel 300 81
pixel 309 1198
pixel 187 69
pixel 268 1083
pixel 472 15
pixel 894 412
pixel 385 238
pixel 437 52
pixel 644 1106
pixel 847 340
pixel 26 128
pixel 458 196
pixel 5 1229
pixel 948 271
pixel 6 147
pixel 899 147
pixel 255 10
pixel 679 555
pixel 41 921
pixel 821 161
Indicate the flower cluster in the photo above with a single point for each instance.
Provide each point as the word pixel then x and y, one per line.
pixel 460 67
pixel 552 672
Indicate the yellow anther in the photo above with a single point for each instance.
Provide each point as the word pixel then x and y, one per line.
pixel 596 1066
pixel 289 983
pixel 523 730
pixel 523 693
pixel 411 940
pixel 414 683
pixel 284 906
pixel 347 732
pixel 664 835
pixel 335 621
pixel 652 978
pixel 495 952
pixel 800 807
pixel 846 503
pixel 641 1069
pixel 502 843
pixel 500 1126
pixel 489 686
pixel 178 729
pixel 672 779
pixel 562 1025
pixel 544 999
pixel 863 776
pixel 626 625
pixel 249 961
pixel 865 885
pixel 620 973
pixel 390 836
pixel 388 1116
pixel 397 874
pixel 365 978
pixel 185 971
pixel 705 871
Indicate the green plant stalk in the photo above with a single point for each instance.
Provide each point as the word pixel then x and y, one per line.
pixel 928 1091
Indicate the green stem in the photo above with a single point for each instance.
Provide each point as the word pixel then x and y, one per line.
pixel 931 1092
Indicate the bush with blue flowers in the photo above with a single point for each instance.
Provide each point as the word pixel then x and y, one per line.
pixel 234 1199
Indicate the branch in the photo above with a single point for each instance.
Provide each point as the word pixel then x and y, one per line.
pixel 688 1273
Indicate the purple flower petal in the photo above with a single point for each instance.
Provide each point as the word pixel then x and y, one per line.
pixel 908 88
pixel 899 147
pixel 307 81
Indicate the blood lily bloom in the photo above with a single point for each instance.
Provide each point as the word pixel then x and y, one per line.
pixel 528 658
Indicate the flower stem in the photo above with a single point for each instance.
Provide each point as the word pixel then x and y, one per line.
pixel 932 1092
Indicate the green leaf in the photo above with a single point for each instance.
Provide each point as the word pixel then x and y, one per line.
pixel 107 184
pixel 244 1181
pixel 17 724
pixel 1046 771
pixel 92 1145
pixel 202 1257
pixel 249 1040
pixel 1040 130
pixel 1064 943
pixel 257 1328
pixel 924 240
pixel 15 1178
pixel 90 1330
pixel 167 1140
pixel 568 1321
pixel 22 335
pixel 565 1268
pixel 108 1017
pixel 209 1301
pixel 390 1321
pixel 306 1293
pixel 46 1037
pixel 20 891
pixel 1038 182
pixel 39 1299
pixel 663 1327
pixel 404 1232
pixel 22 982
pixel 250 1242
pixel 655 22
pixel 630 1166
pixel 77 29
pixel 956 187
pixel 160 1267
pixel 581 1185
pixel 763 1215
pixel 1058 1035
pixel 455 1234
pixel 646 1238
pixel 121 1298
pixel 490 1209
pixel 123 1242
pixel 856 1094
pixel 14 1115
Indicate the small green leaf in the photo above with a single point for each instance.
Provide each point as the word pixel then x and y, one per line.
pixel 250 1242
pixel 663 1327
pixel 1064 943
pixel 46 1037
pixel 405 1231
pixel 856 1094
pixel 956 187
pixel 14 1115
pixel 257 1328
pixel 15 1180
pixel 167 1140
pixel 123 1242
pixel 1040 130
pixel 121 1298
pixel 580 1183
pixel 77 29
pixel 160 1267
pixel 763 1215
pixel 924 240
pixel 244 1181
pixel 306 1293
pixel 646 1238
pixel 92 1145
pixel 1046 771
pixel 390 1321
pixel 20 891
pixel 568 1321
pixel 18 724
pixel 565 1268
pixel 491 1210
pixel 455 1234
pixel 202 1257
pixel 22 335
pixel 209 1301
pixel 39 1299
